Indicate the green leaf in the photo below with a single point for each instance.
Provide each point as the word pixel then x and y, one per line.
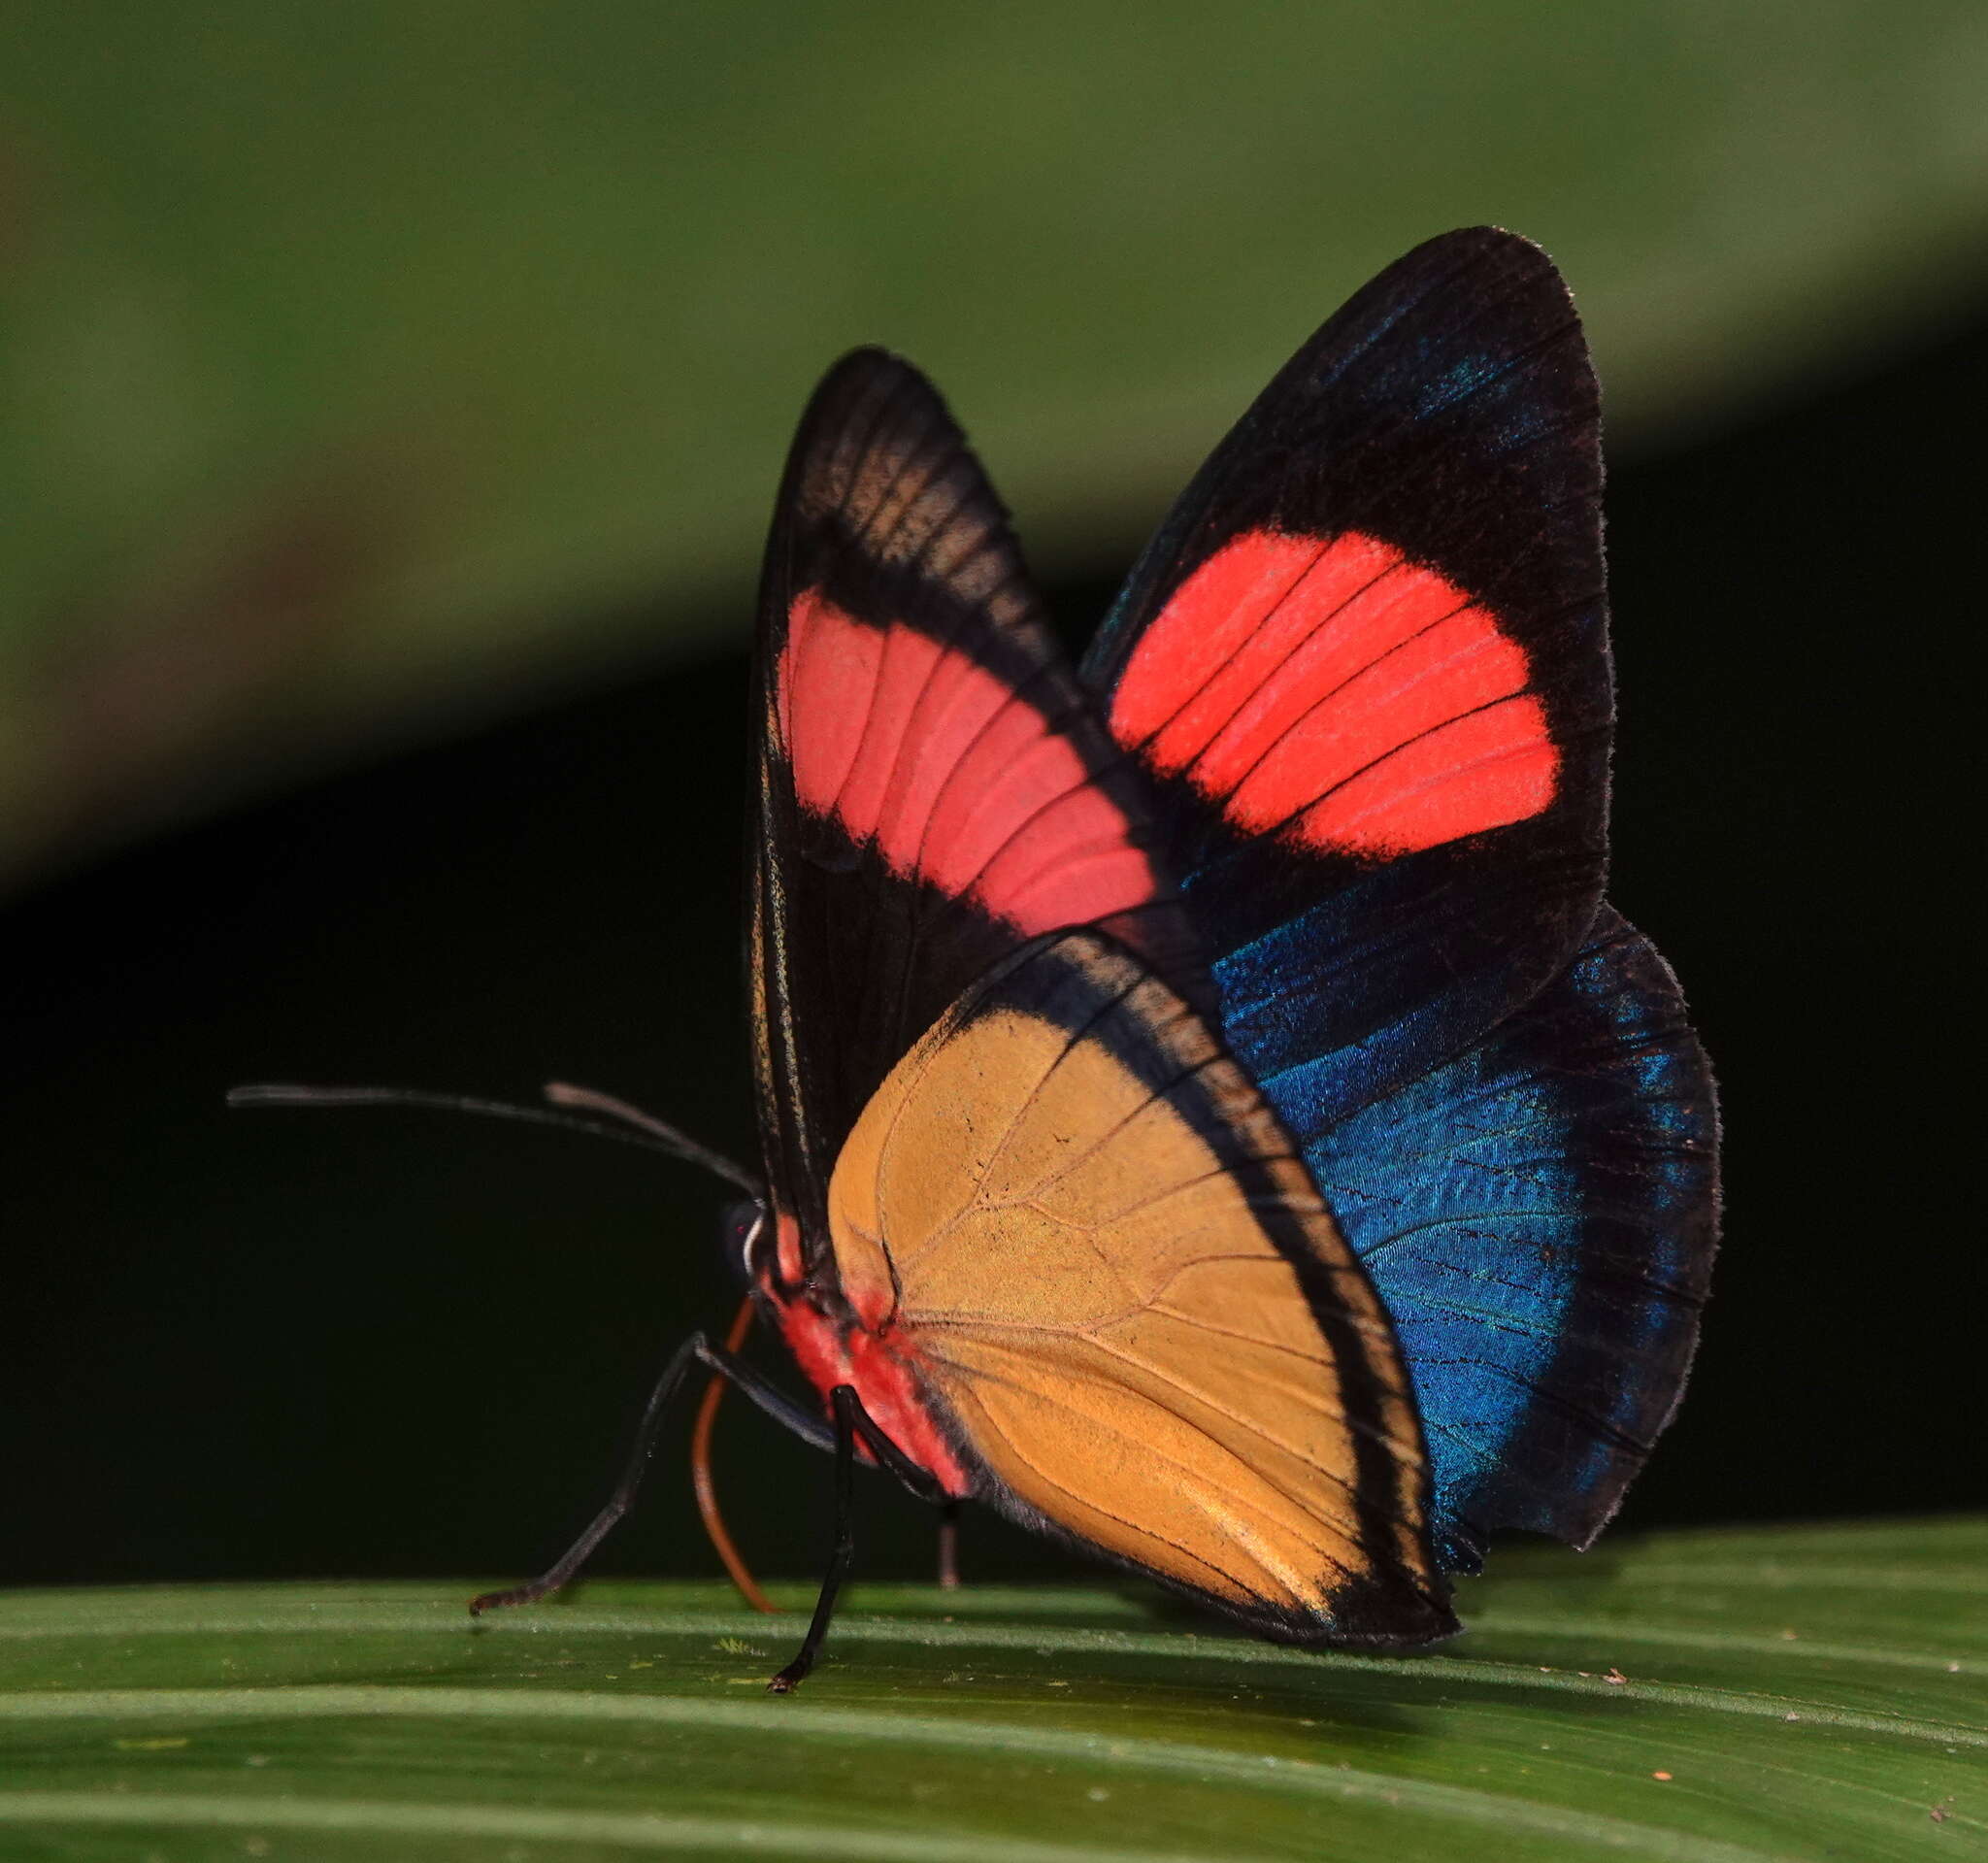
pixel 1717 1697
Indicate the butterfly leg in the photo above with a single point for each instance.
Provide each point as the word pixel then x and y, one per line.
pixel 762 1392
pixel 848 1409
pixel 636 1466
pixel 809 1427
pixel 949 1545
pixel 697 1349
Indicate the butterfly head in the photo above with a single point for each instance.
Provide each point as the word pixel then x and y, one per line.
pixel 743 1228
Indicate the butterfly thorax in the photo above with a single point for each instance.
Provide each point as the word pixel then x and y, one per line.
pixel 853 1337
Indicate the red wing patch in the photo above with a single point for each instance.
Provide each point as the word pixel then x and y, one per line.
pixel 951 773
pixel 1338 693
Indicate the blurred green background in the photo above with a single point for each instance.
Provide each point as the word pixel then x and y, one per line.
pixel 390 404
pixel 365 367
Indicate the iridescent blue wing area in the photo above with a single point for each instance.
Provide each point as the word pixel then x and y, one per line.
pixel 1365 664
pixel 1538 1215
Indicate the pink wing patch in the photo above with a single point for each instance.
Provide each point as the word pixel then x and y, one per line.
pixel 955 777
pixel 1339 693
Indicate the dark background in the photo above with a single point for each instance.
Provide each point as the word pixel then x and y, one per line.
pixel 281 1343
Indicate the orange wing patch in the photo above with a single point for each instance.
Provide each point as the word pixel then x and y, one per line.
pixel 1071 1202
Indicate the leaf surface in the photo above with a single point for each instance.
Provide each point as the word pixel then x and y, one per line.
pixel 1708 1697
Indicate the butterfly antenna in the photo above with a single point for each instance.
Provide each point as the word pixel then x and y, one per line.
pixel 701 1477
pixel 635 1128
pixel 560 1093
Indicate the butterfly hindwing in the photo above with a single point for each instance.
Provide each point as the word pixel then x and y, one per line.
pixel 1088 1234
pixel 934 786
pixel 1538 1215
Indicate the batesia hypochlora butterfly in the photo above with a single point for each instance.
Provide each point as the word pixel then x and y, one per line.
pixel 1210 1113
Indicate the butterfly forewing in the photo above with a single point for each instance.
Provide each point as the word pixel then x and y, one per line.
pixel 1366 663
pixel 1367 660
pixel 934 788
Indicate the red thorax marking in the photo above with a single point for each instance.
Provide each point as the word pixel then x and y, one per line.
pixel 879 1364
pixel 1339 693
pixel 918 749
pixel 787 1248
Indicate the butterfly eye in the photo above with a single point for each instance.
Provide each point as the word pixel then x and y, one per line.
pixel 744 1222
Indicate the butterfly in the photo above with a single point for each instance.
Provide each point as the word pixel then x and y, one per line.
pixel 1209 1112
